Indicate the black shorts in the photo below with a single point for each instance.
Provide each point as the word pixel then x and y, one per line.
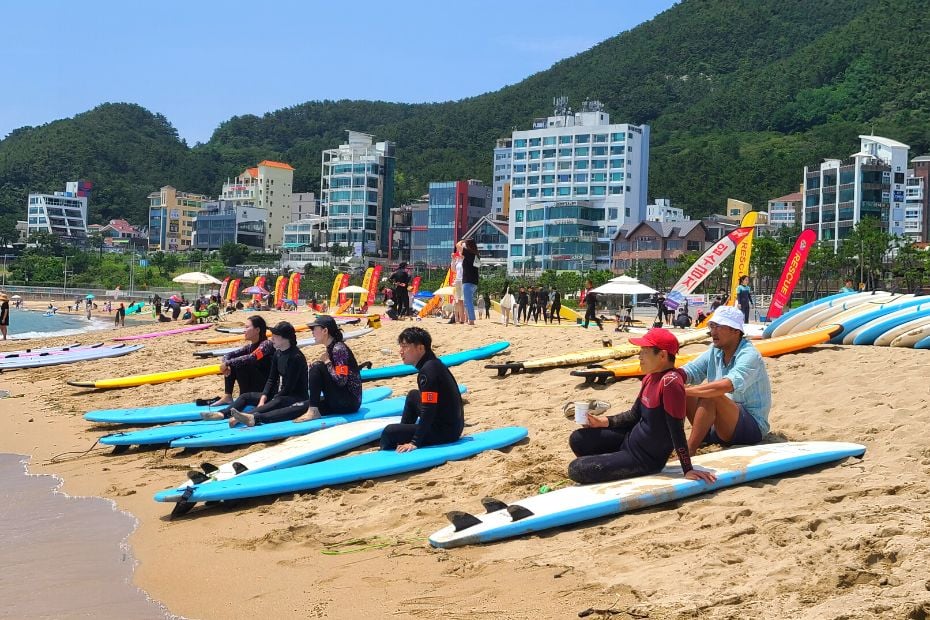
pixel 746 433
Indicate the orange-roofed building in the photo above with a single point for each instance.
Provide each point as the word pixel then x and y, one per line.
pixel 268 186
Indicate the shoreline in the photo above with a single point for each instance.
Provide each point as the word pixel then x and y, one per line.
pixel 762 544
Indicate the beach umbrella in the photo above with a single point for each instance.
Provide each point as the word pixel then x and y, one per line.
pixel 354 290
pixel 254 290
pixel 16 297
pixel 89 296
pixel 196 277
pixel 624 285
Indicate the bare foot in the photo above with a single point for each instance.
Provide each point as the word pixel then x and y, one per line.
pixel 211 415
pixel 226 400
pixel 312 414
pixel 239 417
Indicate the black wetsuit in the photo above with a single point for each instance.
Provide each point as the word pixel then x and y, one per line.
pixel 638 441
pixel 438 405
pixel 555 309
pixel 523 304
pixel 289 370
pixel 590 301
pixel 249 366
pixel 542 300
pixel 401 280
pixel 336 387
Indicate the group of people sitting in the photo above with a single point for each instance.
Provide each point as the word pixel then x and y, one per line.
pixel 277 384
pixel 725 394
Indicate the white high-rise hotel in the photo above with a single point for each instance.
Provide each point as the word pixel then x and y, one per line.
pixel 575 180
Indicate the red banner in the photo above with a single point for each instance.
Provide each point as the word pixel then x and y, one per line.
pixel 791 274
pixel 702 267
pixel 373 284
pixel 415 286
pixel 344 297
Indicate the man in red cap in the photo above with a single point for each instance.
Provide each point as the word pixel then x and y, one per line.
pixel 638 442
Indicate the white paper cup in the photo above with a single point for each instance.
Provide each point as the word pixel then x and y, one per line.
pixel 581 412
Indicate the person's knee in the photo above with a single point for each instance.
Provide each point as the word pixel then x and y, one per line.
pixel 583 470
pixel 577 442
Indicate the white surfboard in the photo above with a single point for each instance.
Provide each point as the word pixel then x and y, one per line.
pixel 580 503
pixel 790 322
pixel 891 335
pixel 850 337
pixel 912 336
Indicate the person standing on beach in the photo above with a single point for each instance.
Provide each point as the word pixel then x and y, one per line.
pixel 433 413
pixel 334 380
pixel 4 314
pixel 247 366
pixel 88 308
pixel 119 320
pixel 507 305
pixel 523 304
pixel 637 442
pixel 285 395
pixel 486 297
pixel 744 297
pixel 555 310
pixel 733 406
pixel 534 304
pixel 470 276
pixel 590 302
pixel 401 279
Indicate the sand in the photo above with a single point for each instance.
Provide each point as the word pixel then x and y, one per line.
pixel 843 541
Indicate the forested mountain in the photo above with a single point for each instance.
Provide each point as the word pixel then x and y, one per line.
pixel 740 94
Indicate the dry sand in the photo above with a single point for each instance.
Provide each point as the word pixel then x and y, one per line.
pixel 842 541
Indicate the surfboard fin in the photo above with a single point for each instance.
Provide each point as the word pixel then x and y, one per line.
pixel 518 513
pixel 208 468
pixel 493 505
pixel 197 477
pixel 462 520
pixel 364 365
pixel 119 449
pixel 239 467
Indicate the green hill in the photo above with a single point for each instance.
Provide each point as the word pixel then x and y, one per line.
pixel 741 94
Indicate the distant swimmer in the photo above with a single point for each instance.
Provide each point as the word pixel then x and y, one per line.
pixel 433 413
pixel 637 442
pixel 733 406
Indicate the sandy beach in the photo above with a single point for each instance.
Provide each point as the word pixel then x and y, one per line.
pixel 847 541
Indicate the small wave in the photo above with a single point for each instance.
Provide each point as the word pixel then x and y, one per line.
pixel 94 325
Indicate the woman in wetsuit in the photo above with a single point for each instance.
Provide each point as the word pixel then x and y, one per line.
pixel 334 380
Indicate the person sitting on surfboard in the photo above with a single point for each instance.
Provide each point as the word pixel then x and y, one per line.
pixel 248 366
pixel 637 442
pixel 285 395
pixel 334 380
pixel 437 403
pixel 733 406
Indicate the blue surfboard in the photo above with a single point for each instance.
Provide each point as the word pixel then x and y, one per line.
pixel 868 335
pixel 767 333
pixel 450 359
pixel 581 503
pixel 858 321
pixel 348 469
pixel 240 435
pixel 187 412
pixel 923 344
pixel 165 434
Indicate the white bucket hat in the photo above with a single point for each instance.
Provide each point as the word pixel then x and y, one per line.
pixel 728 316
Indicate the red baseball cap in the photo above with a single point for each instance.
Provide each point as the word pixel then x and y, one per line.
pixel 659 338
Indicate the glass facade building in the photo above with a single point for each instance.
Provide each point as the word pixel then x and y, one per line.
pixel 358 193
pixel 219 223
pixel 838 195
pixel 453 208
pixel 574 162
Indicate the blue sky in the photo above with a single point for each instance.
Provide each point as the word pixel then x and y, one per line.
pixel 201 62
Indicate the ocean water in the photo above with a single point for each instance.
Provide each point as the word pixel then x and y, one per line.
pixel 64 557
pixel 25 324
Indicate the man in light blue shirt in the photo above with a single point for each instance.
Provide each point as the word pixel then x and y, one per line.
pixel 733 406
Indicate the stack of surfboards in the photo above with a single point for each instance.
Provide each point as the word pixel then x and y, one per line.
pixel 879 319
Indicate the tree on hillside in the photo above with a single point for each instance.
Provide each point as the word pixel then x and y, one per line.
pixel 867 248
pixel 234 253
